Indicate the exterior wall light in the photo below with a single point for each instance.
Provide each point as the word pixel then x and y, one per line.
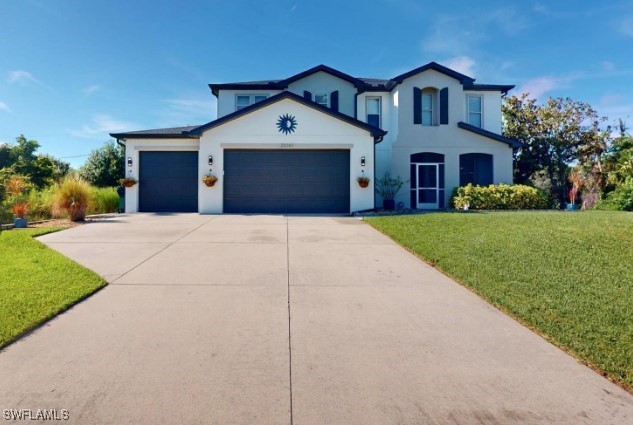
pixel 362 161
pixel 210 160
pixel 129 161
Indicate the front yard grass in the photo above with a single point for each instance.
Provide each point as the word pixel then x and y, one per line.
pixel 569 276
pixel 37 283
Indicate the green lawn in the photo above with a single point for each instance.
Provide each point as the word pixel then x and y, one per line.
pixel 567 275
pixel 37 283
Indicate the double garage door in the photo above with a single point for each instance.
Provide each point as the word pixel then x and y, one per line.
pixel 254 181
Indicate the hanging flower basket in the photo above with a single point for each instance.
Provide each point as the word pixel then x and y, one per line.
pixel 209 180
pixel 363 181
pixel 128 181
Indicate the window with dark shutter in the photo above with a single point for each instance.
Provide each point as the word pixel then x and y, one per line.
pixel 334 100
pixel 444 106
pixel 307 95
pixel 417 106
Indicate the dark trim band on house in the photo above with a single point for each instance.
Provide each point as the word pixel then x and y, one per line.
pixel 158 133
pixel 489 134
pixel 361 84
pixel 503 88
pixel 464 79
pixel 376 132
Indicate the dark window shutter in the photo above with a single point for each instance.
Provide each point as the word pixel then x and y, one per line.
pixel 307 95
pixel 334 100
pixel 444 106
pixel 417 106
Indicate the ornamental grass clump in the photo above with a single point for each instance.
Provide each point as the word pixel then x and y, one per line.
pixel 73 196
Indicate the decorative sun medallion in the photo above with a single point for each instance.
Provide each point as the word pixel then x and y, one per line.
pixel 287 124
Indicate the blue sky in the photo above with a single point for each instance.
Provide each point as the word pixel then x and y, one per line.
pixel 71 71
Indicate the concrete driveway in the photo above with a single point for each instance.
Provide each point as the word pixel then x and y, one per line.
pixel 286 320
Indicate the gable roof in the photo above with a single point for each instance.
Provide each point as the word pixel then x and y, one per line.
pixel 376 132
pixel 489 134
pixel 361 84
pixel 283 84
pixel 157 133
pixel 464 79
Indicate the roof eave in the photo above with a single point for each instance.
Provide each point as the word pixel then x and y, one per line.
pixel 489 134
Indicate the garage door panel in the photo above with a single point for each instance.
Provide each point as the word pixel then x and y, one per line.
pixel 293 181
pixel 168 181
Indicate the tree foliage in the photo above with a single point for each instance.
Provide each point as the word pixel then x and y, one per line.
pixel 104 166
pixel 22 158
pixel 555 134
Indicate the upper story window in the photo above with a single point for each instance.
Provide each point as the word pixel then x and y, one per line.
pixel 321 99
pixel 429 110
pixel 244 100
pixel 475 110
pixel 372 108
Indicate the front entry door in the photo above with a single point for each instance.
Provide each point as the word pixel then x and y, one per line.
pixel 428 186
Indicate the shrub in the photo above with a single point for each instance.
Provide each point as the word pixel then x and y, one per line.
pixel 621 199
pixel 499 197
pixel 41 204
pixel 103 200
pixel 73 195
pixel 388 187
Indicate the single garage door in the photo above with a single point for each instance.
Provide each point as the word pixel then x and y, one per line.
pixel 168 181
pixel 286 181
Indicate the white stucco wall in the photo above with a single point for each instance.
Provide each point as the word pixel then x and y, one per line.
pixel 226 99
pixel 258 130
pixel 132 149
pixel 387 122
pixel 449 140
pixel 324 83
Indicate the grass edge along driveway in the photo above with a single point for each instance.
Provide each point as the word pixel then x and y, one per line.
pixel 37 283
pixel 566 275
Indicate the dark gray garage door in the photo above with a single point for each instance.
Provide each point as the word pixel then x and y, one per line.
pixel 168 182
pixel 292 181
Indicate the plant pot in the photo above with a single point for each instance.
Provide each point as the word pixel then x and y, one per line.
pixel 571 207
pixel 209 183
pixel 389 204
pixel 129 184
pixel 363 184
pixel 20 223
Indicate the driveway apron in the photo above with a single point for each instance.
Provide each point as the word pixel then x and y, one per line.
pixel 236 319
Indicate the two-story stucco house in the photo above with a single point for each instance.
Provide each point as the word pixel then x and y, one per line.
pixel 298 145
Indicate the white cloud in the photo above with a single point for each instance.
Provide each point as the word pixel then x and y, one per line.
pixel 101 125
pixel 4 107
pixel 461 35
pixel 91 89
pixel 188 111
pixel 625 26
pixel 537 87
pixel 608 66
pixel 24 78
pixel 463 64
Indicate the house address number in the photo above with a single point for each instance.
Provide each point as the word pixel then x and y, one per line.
pixel 287 145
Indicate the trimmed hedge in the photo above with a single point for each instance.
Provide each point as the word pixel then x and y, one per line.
pixel 500 197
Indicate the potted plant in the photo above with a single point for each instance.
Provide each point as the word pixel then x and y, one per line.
pixel 363 181
pixel 209 180
pixel 128 181
pixel 20 209
pixel 16 186
pixel 388 187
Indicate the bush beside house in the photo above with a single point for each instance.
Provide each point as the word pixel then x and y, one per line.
pixel 499 197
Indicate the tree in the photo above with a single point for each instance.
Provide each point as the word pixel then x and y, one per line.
pixel 554 134
pixel 21 158
pixel 104 166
